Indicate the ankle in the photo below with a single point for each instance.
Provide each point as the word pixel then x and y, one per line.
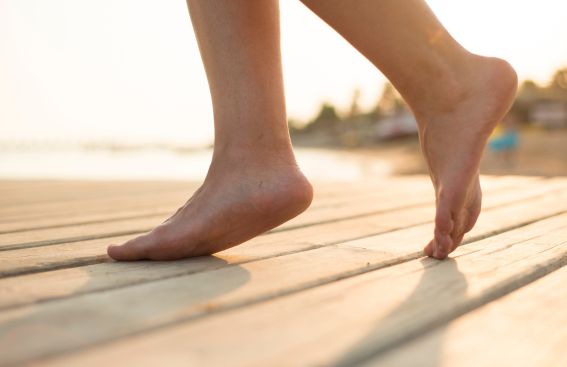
pixel 238 152
pixel 442 91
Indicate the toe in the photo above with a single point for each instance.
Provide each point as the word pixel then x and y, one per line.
pixel 439 246
pixel 466 221
pixel 472 216
pixel 459 229
pixel 457 241
pixel 443 219
pixel 442 243
pixel 428 250
pixel 444 225
pixel 135 249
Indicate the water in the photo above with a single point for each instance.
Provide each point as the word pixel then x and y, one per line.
pixel 163 164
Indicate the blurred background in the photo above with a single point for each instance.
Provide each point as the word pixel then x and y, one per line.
pixel 115 89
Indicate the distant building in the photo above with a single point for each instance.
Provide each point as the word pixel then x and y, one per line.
pixel 544 107
pixel 402 123
pixel 549 113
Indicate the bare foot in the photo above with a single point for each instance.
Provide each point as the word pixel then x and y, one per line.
pixel 453 134
pixel 239 200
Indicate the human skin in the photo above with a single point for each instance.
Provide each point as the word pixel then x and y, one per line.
pixel 457 97
pixel 254 184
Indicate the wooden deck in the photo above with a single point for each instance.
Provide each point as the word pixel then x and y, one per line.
pixel 344 284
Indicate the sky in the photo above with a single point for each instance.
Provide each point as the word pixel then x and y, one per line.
pixel 128 71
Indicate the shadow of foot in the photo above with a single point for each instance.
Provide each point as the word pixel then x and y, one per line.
pixel 392 330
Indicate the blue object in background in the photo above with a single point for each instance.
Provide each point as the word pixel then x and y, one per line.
pixel 506 141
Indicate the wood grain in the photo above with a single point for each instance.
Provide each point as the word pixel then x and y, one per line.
pixel 347 275
pixel 354 319
pixel 524 329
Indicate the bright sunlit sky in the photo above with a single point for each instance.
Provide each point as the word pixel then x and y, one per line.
pixel 129 70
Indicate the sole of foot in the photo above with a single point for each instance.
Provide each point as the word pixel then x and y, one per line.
pixel 453 139
pixel 232 206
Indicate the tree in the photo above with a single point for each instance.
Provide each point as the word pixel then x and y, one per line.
pixel 528 86
pixel 326 118
pixel 354 110
pixel 559 80
pixel 328 113
pixel 390 101
pixel 528 90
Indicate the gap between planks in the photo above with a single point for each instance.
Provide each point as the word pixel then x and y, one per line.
pixel 522 329
pixel 40 259
pixel 318 203
pixel 325 192
pixel 352 317
pixel 350 210
pixel 77 194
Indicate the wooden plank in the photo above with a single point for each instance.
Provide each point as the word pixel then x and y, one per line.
pixel 24 289
pixel 31 186
pixel 83 212
pixel 82 232
pixel 68 192
pixel 8 186
pixel 380 255
pixel 56 193
pixel 37 259
pixel 123 209
pixel 340 323
pixel 49 197
pixel 524 328
pixel 29 260
pixel 89 252
pixel 73 219
pixel 324 191
pixel 361 207
pixel 117 208
pixel 41 188
pixel 497 193
pixel 89 205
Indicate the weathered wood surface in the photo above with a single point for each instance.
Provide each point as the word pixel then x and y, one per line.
pixel 522 329
pixel 343 284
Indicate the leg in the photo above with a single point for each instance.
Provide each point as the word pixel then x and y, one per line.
pixel 253 183
pixel 457 97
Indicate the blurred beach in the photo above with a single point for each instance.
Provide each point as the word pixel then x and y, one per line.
pixel 540 153
pixel 89 91
pixel 168 164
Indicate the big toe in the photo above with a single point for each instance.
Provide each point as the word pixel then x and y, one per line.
pixel 132 250
pixel 441 246
pixel 442 242
pixel 428 250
